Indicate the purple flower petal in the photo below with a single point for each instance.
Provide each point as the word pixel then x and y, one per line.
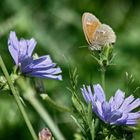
pixel 131 122
pixel 118 99
pixel 85 94
pixel 106 108
pixel 135 115
pixel 99 93
pixel 49 76
pixel 13 45
pixel 126 102
pixel 123 119
pixel 99 110
pixel 115 115
pixel 31 43
pixel 51 71
pixel 90 93
pixel 115 112
pixel 133 105
pixel 23 47
pixel 21 52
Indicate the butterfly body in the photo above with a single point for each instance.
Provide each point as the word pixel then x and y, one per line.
pixel 97 34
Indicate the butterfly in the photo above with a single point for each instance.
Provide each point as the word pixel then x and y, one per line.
pixel 97 34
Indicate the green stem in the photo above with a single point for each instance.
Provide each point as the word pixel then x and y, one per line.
pixel 53 104
pixel 46 117
pixel 103 78
pixel 31 97
pixel 16 96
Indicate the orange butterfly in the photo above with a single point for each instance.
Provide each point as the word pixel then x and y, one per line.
pixel 97 34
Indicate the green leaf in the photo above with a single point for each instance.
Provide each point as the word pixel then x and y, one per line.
pixel 77 104
pixel 89 114
pixel 137 132
pixel 92 129
pixel 77 136
pixel 78 124
pixel 90 121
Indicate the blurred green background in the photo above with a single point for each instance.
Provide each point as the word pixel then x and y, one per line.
pixel 56 25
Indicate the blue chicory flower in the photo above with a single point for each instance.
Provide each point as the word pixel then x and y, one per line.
pixel 118 111
pixel 21 51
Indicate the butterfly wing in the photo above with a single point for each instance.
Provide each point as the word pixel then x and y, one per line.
pixel 90 24
pixel 104 35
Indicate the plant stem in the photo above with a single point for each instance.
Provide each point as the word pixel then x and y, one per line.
pixel 46 117
pixel 103 78
pixel 31 97
pixel 53 104
pixel 16 96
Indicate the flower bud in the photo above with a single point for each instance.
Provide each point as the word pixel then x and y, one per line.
pixel 45 134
